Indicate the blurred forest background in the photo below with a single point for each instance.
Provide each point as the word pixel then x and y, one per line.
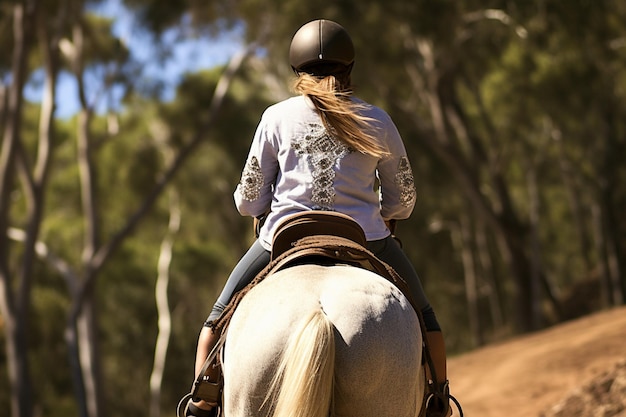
pixel 117 225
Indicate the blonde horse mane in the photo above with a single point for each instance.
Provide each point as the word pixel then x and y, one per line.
pixel 303 384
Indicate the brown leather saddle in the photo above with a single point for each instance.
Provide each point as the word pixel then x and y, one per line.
pixel 314 236
pixel 315 223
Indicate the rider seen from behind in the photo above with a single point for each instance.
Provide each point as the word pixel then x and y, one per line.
pixel 325 149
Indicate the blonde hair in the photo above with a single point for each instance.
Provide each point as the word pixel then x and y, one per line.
pixel 341 115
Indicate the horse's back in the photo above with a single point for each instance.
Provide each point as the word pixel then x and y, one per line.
pixel 377 340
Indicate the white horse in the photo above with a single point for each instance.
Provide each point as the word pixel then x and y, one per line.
pixel 319 341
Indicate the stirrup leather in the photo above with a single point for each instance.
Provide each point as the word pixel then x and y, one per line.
pixel 204 387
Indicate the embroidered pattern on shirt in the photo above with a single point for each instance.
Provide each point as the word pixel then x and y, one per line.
pixel 405 182
pixel 251 180
pixel 322 151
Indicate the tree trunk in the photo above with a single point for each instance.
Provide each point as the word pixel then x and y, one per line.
pixel 15 308
pixel 535 245
pixel 500 215
pixel 81 329
pixel 464 245
pixel 579 215
pixel 87 330
pixel 609 178
pixel 163 309
pixel 486 267
pixel 161 288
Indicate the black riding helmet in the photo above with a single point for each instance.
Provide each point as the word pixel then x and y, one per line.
pixel 321 47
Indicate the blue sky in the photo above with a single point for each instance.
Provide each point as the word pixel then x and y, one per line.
pixel 189 56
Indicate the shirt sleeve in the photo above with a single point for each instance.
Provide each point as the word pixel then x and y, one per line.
pixel 397 185
pixel 253 195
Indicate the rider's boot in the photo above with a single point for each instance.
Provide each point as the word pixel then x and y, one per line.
pixel 438 399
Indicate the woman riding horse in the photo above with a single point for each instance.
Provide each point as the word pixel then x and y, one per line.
pixel 325 149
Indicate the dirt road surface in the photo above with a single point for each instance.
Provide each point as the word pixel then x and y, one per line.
pixel 530 375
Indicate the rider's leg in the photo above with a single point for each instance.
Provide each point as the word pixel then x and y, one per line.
pixel 390 252
pixel 206 342
pixel 253 262
pixel 437 347
pixel 439 404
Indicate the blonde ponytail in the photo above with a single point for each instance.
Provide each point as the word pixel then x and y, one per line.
pixel 341 116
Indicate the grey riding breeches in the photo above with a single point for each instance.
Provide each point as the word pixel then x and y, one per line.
pixel 387 250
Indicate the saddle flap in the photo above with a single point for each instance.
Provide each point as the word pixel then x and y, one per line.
pixel 314 223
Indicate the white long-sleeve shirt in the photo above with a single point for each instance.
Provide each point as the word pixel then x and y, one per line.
pixel 295 165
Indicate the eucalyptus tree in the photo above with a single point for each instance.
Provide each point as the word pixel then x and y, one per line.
pixel 55 36
pixel 20 23
pixel 477 71
pixel 578 71
pixel 40 30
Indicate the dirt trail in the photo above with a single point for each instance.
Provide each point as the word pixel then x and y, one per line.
pixel 528 375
